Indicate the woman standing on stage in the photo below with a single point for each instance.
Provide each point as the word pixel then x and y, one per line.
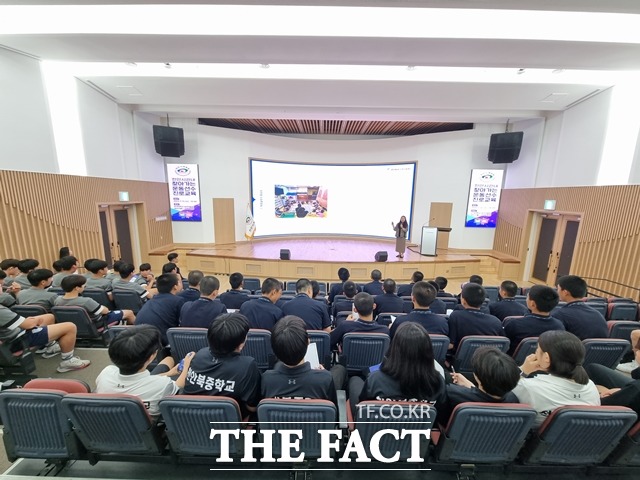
pixel 401 235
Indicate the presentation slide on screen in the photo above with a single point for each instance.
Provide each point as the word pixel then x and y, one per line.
pixel 302 198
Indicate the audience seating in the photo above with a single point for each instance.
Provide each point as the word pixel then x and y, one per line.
pixel 189 420
pixel 127 300
pixel 67 385
pixel 56 290
pixel 363 350
pixel 253 284
pixel 15 355
pixel 525 348
pixel 522 299
pixel 114 427
pixel 322 340
pixel 469 344
pixel 484 433
pixel 492 293
pixel 183 340
pixel 29 310
pixel 622 310
pixel 258 346
pixel 100 296
pixel 87 328
pixel 578 435
pixel 622 328
pixel 450 302
pixel 628 451
pixel 407 305
pixel 291 285
pixel 388 318
pixel 605 351
pixel 290 293
pixel 440 344
pixel 341 317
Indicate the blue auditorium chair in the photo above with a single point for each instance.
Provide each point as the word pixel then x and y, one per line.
pixel 258 346
pixel 183 340
pixel 363 350
pixel 525 348
pixel 604 351
pixel 469 344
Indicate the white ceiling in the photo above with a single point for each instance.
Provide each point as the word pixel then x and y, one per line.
pixel 471 101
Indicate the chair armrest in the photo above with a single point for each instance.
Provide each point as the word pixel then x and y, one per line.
pixel 342 409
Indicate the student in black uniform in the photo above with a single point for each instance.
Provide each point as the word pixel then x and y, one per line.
pixel 313 313
pixel 507 307
pixel 349 289
pixel 422 296
pixel 263 312
pixel 193 292
pixel 577 316
pixel 292 377
pixel 201 312
pixel 405 290
pixel 442 284
pixel 362 322
pixel 437 306
pixel 235 297
pixel 343 275
pixel 388 302
pixel 374 287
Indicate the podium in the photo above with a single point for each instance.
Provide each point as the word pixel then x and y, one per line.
pixel 429 240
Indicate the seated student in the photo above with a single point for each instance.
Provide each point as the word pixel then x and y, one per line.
pixel 343 275
pixel 131 352
pixel 115 273
pixel 313 313
pixel 437 306
pixel 57 266
pixel 235 297
pixel 170 267
pixel 579 317
pixel 507 307
pixel 555 376
pixel 422 296
pixel 86 264
pixel 64 252
pixel 374 287
pixel 220 369
pixel 10 267
pixel 349 289
pixel 541 300
pixel 25 266
pixel 495 373
pixel 40 280
pixel 629 367
pixel 193 292
pixel 407 373
pixel 388 302
pixel 263 312
pixel 7 299
pixel 200 313
pixel 292 377
pixel 98 270
pixel 405 290
pixel 145 276
pixel 127 282
pixel 442 284
pixel 73 286
pixel 360 321
pixel 470 320
pixel 163 310
pixel 68 266
pixel 41 331
pixel 173 258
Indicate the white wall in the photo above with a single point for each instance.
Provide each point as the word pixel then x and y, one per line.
pixel 25 125
pixel 444 169
pixel 523 172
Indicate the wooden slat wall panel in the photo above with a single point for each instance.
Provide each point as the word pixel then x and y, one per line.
pixel 609 240
pixel 41 212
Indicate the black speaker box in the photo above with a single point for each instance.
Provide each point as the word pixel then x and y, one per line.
pixel 381 256
pixel 285 254
pixel 505 147
pixel 169 141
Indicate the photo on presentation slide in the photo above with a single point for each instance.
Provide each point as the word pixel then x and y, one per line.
pixel 300 201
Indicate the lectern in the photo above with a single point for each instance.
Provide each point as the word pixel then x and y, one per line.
pixel 429 241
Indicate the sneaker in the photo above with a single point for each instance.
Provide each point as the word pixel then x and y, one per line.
pixel 627 367
pixel 51 351
pixel 73 363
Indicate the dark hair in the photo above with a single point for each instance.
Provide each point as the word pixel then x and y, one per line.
pixel 28 264
pixel 442 282
pixel 9 263
pixel 145 266
pixel 497 372
pixel 475 279
pixel 289 340
pixel 68 262
pixel 510 288
pixel 269 285
pixel 194 278
pixel 315 288
pixel 303 285
pixel 343 274
pixel 132 347
pixel 235 280
pixel 56 266
pixel 575 285
pixel 227 332
pixel 126 269
pixel 423 293
pixel 363 303
pixel 376 275
pixel 64 252
pixel 404 224
pixel 410 362
pixel 389 285
pixel 172 256
pixel 208 285
pixel 566 353
pixel 350 289
pixel 417 276
pixel 95 265
pixel 169 268
pixel 117 265
pixel 3 274
pixel 38 275
pixel 545 298
pixel 166 282
pixel 88 262
pixel 70 282
pixel 474 294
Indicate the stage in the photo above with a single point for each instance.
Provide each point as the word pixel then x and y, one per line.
pixel 320 258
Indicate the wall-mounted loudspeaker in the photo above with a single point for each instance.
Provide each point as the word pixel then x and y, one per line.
pixel 285 254
pixel 505 147
pixel 381 256
pixel 169 141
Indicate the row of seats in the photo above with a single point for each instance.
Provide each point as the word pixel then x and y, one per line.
pixel 60 420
